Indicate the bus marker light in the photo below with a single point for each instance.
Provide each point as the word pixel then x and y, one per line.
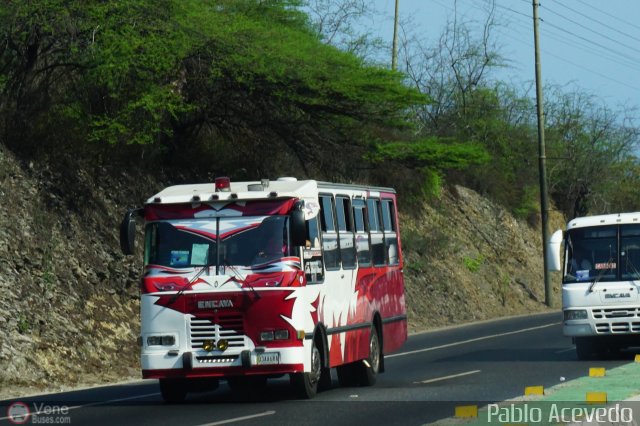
pixel 301 335
pixel 223 184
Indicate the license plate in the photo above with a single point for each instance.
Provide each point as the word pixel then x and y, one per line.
pixel 269 358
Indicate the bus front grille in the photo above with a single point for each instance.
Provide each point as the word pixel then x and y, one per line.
pixel 228 327
pixel 618 327
pixel 616 313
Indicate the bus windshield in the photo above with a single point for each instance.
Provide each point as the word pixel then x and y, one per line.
pixel 603 253
pixel 238 241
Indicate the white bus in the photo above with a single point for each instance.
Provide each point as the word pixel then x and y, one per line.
pixel 600 282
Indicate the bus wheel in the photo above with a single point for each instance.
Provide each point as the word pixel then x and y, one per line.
pixel 306 384
pixel 368 368
pixel 173 390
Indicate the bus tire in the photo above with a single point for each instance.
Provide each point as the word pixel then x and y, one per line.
pixel 173 391
pixel 305 385
pixel 369 368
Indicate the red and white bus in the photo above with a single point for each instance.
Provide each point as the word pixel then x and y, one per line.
pixel 249 280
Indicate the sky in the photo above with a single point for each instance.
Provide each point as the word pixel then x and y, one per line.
pixel 586 45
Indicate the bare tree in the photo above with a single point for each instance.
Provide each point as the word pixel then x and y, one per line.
pixel 452 68
pixel 342 23
pixel 589 141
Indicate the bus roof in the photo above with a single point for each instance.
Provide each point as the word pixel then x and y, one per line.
pixel 254 190
pixel 603 220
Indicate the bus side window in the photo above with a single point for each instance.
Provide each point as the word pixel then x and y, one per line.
pixel 312 253
pixel 330 250
pixel 345 229
pixel 390 232
pixel 376 235
pixel 362 236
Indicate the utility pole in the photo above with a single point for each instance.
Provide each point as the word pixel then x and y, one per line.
pixel 394 49
pixel 544 209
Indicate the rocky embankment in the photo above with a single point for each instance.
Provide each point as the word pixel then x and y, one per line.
pixel 468 259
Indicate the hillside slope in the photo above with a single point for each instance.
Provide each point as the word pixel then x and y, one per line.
pixel 69 313
pixel 468 259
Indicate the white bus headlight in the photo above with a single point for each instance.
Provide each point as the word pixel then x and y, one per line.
pixel 575 314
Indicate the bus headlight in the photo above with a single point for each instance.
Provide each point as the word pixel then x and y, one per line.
pixel 167 340
pixel 268 336
pixel 281 334
pixel 575 314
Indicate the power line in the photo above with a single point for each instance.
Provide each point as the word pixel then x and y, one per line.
pixel 590 49
pixel 593 31
pixel 585 47
pixel 621 54
pixel 610 15
pixel 581 67
pixel 604 52
pixel 598 21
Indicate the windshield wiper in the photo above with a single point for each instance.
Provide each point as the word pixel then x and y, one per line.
pixel 184 288
pixel 602 272
pixel 238 278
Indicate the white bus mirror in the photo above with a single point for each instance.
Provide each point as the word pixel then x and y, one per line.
pixel 553 251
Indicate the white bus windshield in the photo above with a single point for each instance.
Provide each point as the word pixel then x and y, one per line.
pixel 603 253
pixel 238 241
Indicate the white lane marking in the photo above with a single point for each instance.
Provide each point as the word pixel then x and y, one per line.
pixel 453 376
pixel 240 419
pixel 73 407
pixel 491 336
pixel 565 350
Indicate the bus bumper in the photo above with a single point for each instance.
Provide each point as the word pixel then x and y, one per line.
pixel 198 364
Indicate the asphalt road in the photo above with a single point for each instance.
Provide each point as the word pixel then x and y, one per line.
pixel 435 371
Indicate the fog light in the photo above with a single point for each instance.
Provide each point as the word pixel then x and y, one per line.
pixel 281 335
pixel 223 344
pixel 208 345
pixel 575 314
pixel 266 336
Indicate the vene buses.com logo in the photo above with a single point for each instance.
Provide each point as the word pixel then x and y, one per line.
pixel 18 413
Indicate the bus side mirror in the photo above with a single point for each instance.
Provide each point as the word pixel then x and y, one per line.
pixel 128 231
pixel 553 251
pixel 298 228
